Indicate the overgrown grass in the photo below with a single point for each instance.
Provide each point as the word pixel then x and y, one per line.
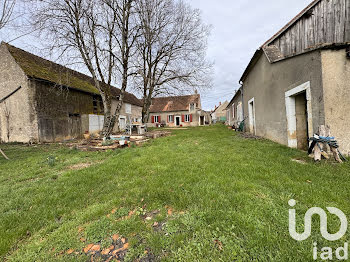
pixel 227 196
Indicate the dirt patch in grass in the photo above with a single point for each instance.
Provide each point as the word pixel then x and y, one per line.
pixel 81 166
pixel 299 161
pixel 250 136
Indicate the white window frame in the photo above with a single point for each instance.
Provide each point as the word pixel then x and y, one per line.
pixel 187 118
pixel 156 119
pixel 233 111
pixel 127 108
pixel 173 118
pixel 252 119
pixel 194 107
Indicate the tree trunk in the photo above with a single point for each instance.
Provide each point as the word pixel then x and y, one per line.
pixel 107 108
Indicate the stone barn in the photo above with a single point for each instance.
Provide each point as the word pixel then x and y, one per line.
pixel 300 78
pixel 54 103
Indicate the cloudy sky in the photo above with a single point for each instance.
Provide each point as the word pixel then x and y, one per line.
pixel 239 27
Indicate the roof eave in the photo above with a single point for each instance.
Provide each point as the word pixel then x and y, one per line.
pixel 251 64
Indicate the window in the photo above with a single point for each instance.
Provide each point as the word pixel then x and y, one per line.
pixel 233 111
pixel 156 119
pixel 171 118
pixel 187 118
pixel 127 108
pixel 192 107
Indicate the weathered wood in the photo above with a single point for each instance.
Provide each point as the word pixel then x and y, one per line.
pixel 5 156
pixel 333 149
pixel 329 23
pixel 336 155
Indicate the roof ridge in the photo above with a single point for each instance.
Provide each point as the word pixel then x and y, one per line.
pixel 49 71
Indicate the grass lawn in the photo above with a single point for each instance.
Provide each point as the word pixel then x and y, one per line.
pixel 203 194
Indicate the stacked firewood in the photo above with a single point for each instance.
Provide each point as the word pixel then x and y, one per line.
pixel 324 144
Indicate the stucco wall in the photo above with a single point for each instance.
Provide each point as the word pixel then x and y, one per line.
pixel 164 117
pixel 234 118
pixel 136 112
pixel 267 84
pixel 336 85
pixel 22 121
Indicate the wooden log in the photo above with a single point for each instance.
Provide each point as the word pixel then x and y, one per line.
pixel 336 154
pixel 333 149
pixel 5 156
pixel 317 152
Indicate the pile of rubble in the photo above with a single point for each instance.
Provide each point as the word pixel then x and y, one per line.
pixel 93 143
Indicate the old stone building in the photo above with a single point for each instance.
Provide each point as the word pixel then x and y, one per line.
pixel 54 103
pixel 234 110
pixel 300 78
pixel 219 113
pixel 178 111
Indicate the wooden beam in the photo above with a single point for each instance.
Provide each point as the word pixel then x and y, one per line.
pixel 2 152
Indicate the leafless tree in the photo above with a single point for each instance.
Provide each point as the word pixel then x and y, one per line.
pixel 6 11
pixel 171 50
pixel 99 33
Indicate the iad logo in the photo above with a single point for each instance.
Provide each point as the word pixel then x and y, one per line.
pixel 326 252
pixel 323 223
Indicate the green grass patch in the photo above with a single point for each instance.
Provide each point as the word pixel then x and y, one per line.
pixel 220 198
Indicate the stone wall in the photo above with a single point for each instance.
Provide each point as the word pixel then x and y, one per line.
pixel 17 119
pixel 267 84
pixel 336 86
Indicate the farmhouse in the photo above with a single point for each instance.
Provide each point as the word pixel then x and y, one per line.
pixel 300 78
pixel 178 111
pixel 54 103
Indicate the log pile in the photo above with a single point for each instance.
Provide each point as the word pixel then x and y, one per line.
pixel 324 145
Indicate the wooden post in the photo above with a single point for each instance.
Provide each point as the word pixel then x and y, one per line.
pixel 2 152
pixel 319 146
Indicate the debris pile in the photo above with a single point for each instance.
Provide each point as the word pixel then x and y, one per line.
pixel 93 143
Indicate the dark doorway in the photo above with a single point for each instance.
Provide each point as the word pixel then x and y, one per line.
pixel 177 121
pixel 301 115
pixel 202 121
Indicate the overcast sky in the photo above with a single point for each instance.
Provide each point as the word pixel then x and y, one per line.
pixel 239 27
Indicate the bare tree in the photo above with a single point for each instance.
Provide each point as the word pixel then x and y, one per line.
pixel 171 50
pixel 98 33
pixel 6 11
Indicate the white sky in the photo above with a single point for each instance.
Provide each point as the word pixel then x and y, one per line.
pixel 239 28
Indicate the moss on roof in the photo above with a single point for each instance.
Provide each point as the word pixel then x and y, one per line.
pixel 40 68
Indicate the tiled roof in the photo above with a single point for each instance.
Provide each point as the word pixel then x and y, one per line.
pixel 40 68
pixel 174 103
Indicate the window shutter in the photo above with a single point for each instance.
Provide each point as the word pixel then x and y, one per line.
pixel 159 120
pixel 183 118
pixel 152 119
pixel 168 120
pixel 190 117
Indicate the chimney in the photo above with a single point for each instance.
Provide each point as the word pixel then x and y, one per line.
pixel 220 104
pixel 196 92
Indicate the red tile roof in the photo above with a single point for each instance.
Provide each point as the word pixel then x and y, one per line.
pixel 174 103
